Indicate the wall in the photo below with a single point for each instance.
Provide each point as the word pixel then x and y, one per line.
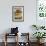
pixel 29 14
pixel 6 15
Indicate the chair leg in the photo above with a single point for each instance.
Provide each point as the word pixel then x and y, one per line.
pixel 5 40
pixel 5 43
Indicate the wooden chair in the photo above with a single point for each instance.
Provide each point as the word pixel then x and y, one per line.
pixel 8 34
pixel 27 37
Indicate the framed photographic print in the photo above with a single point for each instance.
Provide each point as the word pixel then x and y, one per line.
pixel 17 13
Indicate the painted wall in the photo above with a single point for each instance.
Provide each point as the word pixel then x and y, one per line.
pixel 6 15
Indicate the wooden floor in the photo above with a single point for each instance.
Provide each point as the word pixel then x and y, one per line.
pixel 13 44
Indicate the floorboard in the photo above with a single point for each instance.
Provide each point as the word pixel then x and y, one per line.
pixel 13 44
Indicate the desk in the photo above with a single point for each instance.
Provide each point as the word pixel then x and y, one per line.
pixel 8 34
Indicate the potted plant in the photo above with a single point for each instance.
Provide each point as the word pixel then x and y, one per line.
pixel 38 27
pixel 39 35
pixel 42 27
pixel 35 26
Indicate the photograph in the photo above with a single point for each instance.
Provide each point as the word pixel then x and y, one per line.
pixel 17 13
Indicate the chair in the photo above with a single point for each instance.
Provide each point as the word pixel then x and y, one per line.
pixel 14 32
pixel 26 37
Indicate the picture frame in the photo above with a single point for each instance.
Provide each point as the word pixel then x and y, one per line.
pixel 17 13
